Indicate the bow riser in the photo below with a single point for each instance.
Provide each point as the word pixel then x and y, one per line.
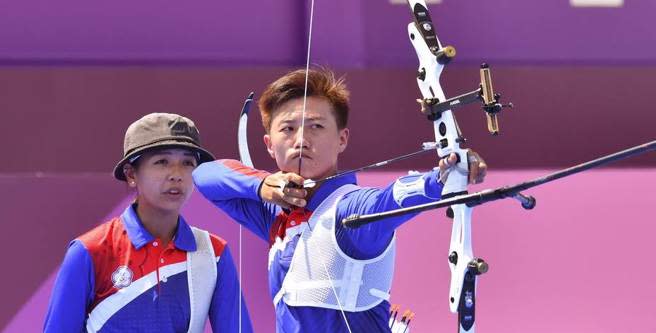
pixel 447 132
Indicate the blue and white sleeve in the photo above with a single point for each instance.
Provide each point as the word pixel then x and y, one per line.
pixel 72 293
pixel 371 239
pixel 233 188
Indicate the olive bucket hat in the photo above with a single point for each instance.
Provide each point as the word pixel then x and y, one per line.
pixel 160 131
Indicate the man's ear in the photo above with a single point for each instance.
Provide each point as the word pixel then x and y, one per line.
pixel 343 139
pixel 269 146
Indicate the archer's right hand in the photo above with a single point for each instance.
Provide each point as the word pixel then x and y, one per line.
pixel 284 189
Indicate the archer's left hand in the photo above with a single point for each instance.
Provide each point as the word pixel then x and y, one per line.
pixel 477 167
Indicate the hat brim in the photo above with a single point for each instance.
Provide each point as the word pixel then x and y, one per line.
pixel 205 156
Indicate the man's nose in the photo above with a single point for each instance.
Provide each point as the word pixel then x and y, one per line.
pixel 301 140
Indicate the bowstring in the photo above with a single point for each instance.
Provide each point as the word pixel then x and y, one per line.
pixel 300 159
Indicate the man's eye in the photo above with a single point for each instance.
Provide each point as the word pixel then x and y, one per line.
pixel 287 129
pixel 317 126
pixel 191 163
pixel 162 161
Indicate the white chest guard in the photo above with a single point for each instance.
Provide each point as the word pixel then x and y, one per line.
pixel 317 261
pixel 201 279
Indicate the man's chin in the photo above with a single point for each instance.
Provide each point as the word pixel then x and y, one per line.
pixel 316 175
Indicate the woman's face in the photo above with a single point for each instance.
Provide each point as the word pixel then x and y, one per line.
pixel 163 178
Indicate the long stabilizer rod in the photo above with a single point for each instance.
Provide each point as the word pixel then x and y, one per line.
pixel 513 191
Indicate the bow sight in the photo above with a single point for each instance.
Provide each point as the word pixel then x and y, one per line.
pixel 433 107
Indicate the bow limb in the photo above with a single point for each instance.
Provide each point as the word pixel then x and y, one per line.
pixel 242 138
pixel 245 158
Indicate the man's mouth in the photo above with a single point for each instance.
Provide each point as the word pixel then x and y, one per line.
pixel 297 155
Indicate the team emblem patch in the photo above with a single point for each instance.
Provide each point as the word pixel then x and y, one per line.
pixel 122 277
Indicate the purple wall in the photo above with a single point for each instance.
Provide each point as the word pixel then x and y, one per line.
pixel 77 31
pixel 517 31
pixel 346 33
pixel 40 215
pixel 72 119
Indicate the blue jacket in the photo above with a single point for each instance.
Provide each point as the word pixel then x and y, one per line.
pixel 233 188
pixel 121 269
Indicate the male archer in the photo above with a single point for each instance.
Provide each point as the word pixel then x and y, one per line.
pixel 323 277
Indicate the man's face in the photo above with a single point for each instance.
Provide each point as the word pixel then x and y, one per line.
pixel 322 140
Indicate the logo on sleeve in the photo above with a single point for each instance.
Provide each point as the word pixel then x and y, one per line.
pixel 122 277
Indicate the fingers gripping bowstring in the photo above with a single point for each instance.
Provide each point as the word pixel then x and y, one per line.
pixel 300 157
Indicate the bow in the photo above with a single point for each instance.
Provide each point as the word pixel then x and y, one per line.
pixel 433 57
pixel 463 265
